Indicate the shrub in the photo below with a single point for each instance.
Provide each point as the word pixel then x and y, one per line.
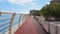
pixel 52 10
pixel 35 12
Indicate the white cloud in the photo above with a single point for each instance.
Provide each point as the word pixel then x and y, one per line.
pixel 48 3
pixel 20 1
pixel 32 4
pixel 2 1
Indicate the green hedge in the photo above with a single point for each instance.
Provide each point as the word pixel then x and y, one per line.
pixel 51 10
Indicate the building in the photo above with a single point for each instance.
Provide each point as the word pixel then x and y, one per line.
pixel 55 1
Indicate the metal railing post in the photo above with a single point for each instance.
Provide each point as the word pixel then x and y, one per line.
pixel 10 26
pixel 22 17
pixel 0 13
pixel 19 20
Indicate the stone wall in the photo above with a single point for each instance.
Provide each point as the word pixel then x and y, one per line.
pixel 52 27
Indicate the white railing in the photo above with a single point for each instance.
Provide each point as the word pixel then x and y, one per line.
pixel 10 25
pixel 10 29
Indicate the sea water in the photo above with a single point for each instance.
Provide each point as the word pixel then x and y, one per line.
pixel 5 27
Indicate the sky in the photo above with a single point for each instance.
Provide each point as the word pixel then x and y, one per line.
pixel 22 6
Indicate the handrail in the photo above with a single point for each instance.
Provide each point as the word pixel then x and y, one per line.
pixel 7 13
pixel 4 18
pixel 11 23
pixel 0 13
pixel 3 23
pixel 11 20
pixel 5 31
pixel 4 27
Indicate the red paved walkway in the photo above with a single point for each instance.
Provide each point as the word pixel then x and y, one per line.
pixel 30 26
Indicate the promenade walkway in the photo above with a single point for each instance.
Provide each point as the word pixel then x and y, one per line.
pixel 30 26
